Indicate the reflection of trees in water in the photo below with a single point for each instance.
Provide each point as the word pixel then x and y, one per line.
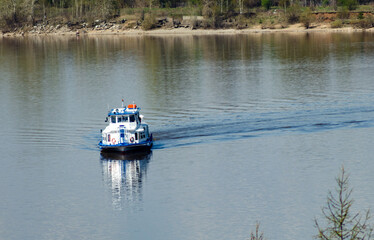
pixel 214 67
pixel 123 174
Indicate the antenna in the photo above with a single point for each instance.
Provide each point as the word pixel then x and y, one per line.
pixel 122 103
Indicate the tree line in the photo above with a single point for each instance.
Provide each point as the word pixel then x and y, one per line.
pixel 30 11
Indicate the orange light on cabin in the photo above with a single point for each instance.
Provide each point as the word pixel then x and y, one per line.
pixel 132 106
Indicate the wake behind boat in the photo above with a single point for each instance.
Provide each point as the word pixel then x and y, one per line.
pixel 125 130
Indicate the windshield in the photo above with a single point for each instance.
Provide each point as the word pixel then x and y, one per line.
pixel 132 118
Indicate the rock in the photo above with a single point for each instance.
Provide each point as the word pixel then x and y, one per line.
pixel 176 23
pixel 161 19
pixel 185 23
pixel 189 18
pixel 169 23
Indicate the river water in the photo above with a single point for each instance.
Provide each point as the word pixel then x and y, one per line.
pixel 248 128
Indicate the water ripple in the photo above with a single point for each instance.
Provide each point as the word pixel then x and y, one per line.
pixel 245 125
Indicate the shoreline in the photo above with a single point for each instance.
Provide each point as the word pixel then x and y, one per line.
pixel 295 28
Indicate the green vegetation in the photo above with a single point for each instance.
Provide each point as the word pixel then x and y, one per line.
pixel 306 17
pixel 337 24
pixel 149 21
pixel 293 14
pixel 216 13
pixel 266 4
pixel 341 222
pixel 349 4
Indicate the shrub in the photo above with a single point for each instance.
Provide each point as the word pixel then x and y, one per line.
pixel 293 14
pixel 149 22
pixel 337 24
pixel 268 25
pixel 360 16
pixel 208 23
pixel 361 23
pixel 307 18
pixel 343 13
pixel 370 19
pixel 241 22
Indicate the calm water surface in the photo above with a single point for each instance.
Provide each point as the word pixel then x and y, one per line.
pixel 248 128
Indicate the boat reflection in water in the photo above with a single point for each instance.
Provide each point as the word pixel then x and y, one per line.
pixel 123 173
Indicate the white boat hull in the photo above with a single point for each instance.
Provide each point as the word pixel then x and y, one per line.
pixel 127 147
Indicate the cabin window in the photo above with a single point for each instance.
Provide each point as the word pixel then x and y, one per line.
pixel 108 137
pixel 125 118
pixel 113 119
pixel 132 118
pixel 119 119
pixel 136 136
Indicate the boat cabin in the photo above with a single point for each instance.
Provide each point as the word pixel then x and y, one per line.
pixel 128 118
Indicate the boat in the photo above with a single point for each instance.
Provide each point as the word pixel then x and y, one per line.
pixel 126 130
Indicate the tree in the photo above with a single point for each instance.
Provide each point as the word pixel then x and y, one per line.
pixel 208 8
pixel 284 3
pixel 257 235
pixel 13 11
pixel 266 4
pixel 341 223
pixel 241 6
pixel 350 4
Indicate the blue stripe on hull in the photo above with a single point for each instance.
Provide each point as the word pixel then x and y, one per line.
pixel 127 147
